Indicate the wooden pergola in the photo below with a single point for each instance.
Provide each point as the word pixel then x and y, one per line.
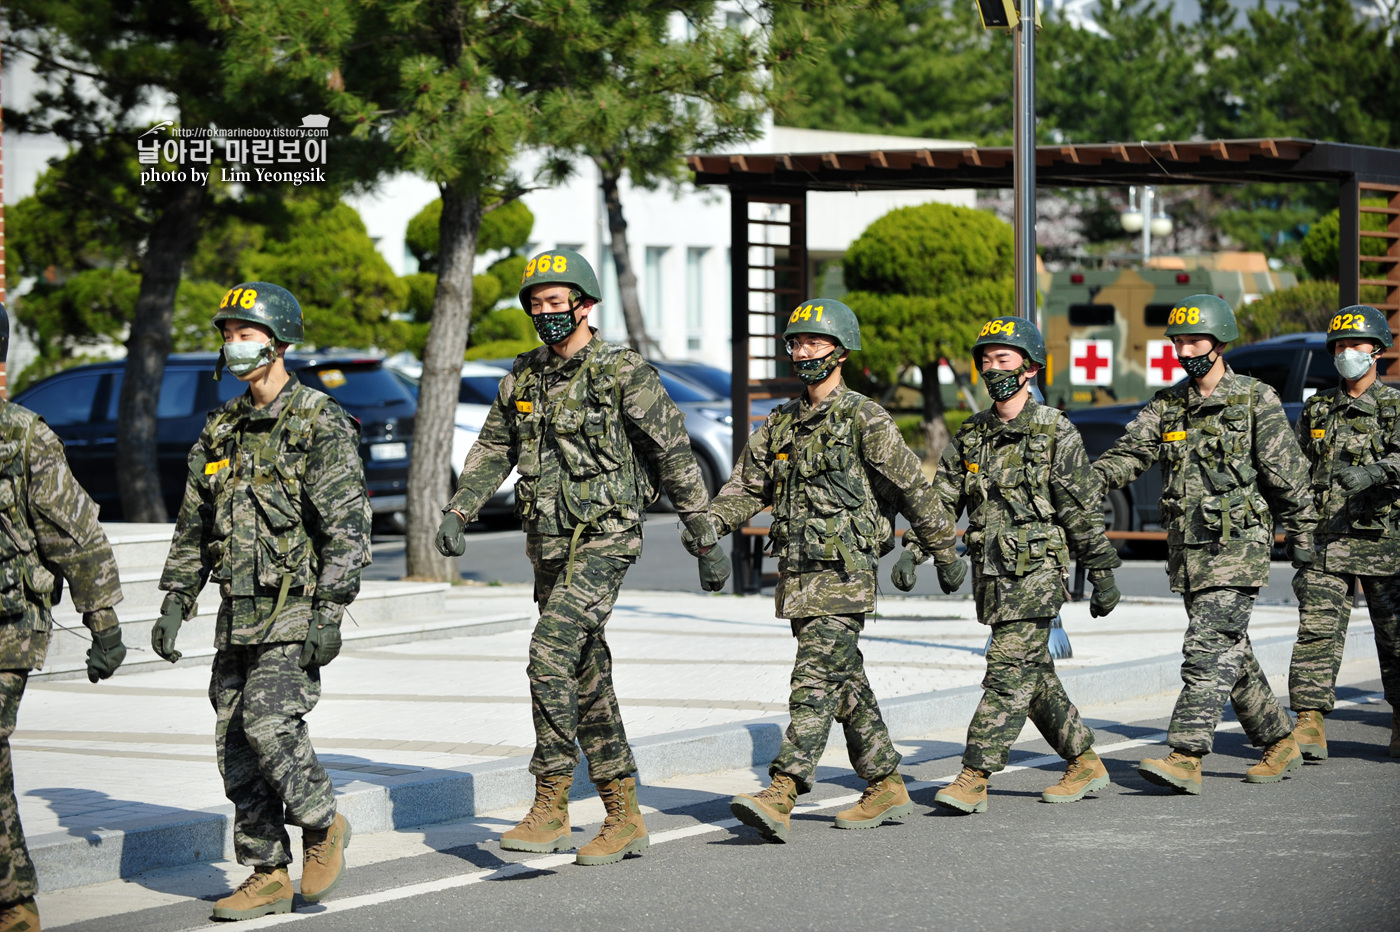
pixel 768 215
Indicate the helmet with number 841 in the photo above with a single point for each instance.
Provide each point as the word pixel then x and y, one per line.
pixel 826 317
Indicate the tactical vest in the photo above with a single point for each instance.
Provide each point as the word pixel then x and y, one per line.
pixel 1358 440
pixel 603 487
pixel 1011 521
pixel 271 469
pixel 1226 503
pixel 824 506
pixel 24 579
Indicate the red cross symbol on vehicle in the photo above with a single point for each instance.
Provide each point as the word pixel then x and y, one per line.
pixel 1092 362
pixel 1167 362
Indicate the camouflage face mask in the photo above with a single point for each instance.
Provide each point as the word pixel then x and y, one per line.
pixel 1198 366
pixel 812 371
pixel 1003 384
pixel 556 327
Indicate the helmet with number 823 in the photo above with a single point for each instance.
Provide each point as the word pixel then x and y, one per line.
pixel 559 267
pixel 1359 322
pixel 1011 331
pixel 1203 315
pixel 262 303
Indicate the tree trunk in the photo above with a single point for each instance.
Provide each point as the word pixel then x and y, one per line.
pixel 626 278
pixel 172 238
pixel 430 478
pixel 935 429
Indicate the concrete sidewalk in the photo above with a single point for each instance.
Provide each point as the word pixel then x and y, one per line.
pixel 118 778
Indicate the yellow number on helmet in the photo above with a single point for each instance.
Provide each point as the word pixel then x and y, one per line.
pixel 1195 316
pixel 561 263
pixel 1348 322
pixel 819 311
pixel 1009 328
pixel 250 297
pixel 529 269
pixel 228 294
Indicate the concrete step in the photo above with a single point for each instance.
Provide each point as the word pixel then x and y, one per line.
pixel 139 546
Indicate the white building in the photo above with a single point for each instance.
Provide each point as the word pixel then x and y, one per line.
pixel 679 243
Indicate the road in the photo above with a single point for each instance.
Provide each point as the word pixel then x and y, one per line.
pixel 664 565
pixel 1319 851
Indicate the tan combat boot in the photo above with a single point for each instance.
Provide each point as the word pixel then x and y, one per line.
pixel 546 826
pixel 267 890
pixel 967 793
pixel 1394 734
pixel 323 858
pixel 1181 772
pixel 20 917
pixel 882 801
pixel 623 830
pixel 1310 735
pixel 769 810
pixel 1279 758
pixel 1085 774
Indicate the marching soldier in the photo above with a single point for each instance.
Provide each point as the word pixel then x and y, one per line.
pixel 1227 456
pixel 49 523
pixel 1020 471
pixel 834 468
pixel 1351 437
pixel 275 512
pixel 592 433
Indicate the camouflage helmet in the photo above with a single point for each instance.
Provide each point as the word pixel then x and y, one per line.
pixel 827 317
pixel 560 267
pixel 262 303
pixel 1011 331
pixel 1359 322
pixel 1203 315
pixel 4 333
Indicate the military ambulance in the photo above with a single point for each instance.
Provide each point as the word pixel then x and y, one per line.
pixel 1105 328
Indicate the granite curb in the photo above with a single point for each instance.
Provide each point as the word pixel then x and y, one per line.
pixel 435 796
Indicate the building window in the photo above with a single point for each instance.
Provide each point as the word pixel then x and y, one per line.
pixel 655 291
pixel 695 288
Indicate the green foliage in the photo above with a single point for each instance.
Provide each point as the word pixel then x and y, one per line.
pixel 510 271
pixel 1320 248
pixel 501 349
pixel 505 323
pixel 421 288
pixel 1306 306
pixel 507 227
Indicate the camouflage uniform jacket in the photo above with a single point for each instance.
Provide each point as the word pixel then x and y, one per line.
pixel 48 532
pixel 1358 533
pixel 834 474
pixel 1220 455
pixel 1031 498
pixel 592 437
pixel 275 512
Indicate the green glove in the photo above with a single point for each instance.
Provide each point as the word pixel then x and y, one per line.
pixel 450 540
pixel 172 615
pixel 1355 478
pixel 322 642
pixel 1105 597
pixel 107 651
pixel 1298 556
pixel 903 573
pixel 951 576
pixel 714 569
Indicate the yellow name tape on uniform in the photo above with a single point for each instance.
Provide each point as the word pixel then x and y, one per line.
pixel 1318 434
pixel 782 456
pixel 525 407
pixel 971 467
pixel 1171 435
pixel 211 468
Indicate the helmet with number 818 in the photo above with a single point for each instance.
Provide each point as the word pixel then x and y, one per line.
pixel 826 317
pixel 1359 322
pixel 262 303
pixel 559 267
pixel 1011 331
pixel 1203 315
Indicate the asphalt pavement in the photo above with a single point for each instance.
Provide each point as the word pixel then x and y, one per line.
pixel 1317 851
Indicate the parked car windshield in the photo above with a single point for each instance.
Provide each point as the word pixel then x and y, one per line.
pixel 66 400
pixel 682 392
pixel 179 389
pixel 356 386
pixel 479 389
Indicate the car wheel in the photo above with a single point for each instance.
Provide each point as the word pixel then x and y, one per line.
pixel 393 522
pixel 708 473
pixel 1117 516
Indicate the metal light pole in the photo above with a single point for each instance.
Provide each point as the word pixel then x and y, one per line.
pixel 1024 160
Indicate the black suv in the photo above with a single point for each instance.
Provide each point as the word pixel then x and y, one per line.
pixel 1296 365
pixel 80 404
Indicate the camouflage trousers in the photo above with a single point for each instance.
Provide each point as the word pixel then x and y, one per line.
pixel 1324 609
pixel 570 669
pixel 271 775
pixel 828 682
pixel 17 878
pixel 1219 664
pixel 1021 682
